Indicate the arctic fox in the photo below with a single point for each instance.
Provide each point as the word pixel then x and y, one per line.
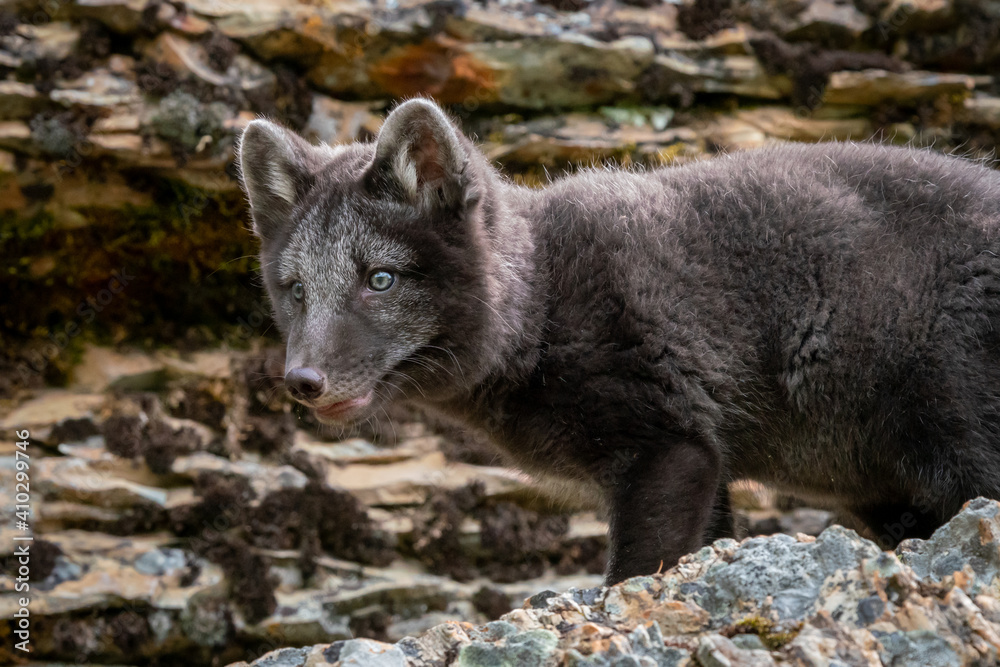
pixel 824 317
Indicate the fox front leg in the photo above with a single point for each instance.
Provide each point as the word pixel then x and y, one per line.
pixel 661 507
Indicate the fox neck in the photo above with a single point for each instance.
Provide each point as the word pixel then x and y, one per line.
pixel 511 344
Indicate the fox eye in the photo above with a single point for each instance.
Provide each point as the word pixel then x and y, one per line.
pixel 298 291
pixel 380 281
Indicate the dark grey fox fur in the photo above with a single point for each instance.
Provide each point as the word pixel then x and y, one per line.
pixel 822 317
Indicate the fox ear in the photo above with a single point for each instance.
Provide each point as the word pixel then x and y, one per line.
pixel 277 168
pixel 420 157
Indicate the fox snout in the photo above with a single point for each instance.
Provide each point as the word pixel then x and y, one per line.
pixel 305 383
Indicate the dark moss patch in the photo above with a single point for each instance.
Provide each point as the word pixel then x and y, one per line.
pixel 139 518
pixel 95 45
pixel 372 623
pixel 224 505
pixel 970 46
pixel 251 584
pixel 566 5
pixel 72 636
pixel 129 631
pixel 124 435
pixel 8 23
pixel 319 516
pixel 281 521
pixel 163 445
pixel 491 602
pixel 201 402
pixel 518 541
pixel 191 573
pixel 588 554
pixel 346 531
pixel 263 377
pixel 74 430
pixel 701 18
pixel 437 543
pixel 515 543
pixel 220 50
pixel 268 434
pixel 43 559
pixel 158 443
pixel 291 102
pixel 156 79
pixel 810 67
pixel 305 464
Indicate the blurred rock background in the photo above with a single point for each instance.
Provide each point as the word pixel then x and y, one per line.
pixel 185 512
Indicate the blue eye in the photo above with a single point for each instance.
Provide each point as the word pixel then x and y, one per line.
pixel 380 281
pixel 298 291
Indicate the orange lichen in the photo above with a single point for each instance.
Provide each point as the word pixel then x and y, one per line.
pixel 437 68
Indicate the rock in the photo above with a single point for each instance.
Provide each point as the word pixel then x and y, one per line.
pixel 16 135
pixel 361 451
pixel 530 647
pixel 577 138
pixel 970 540
pixel 590 72
pixel 835 599
pixel 336 122
pixel 263 478
pixel 191 60
pixel 50 407
pixel 33 42
pixel 18 100
pixel 785 124
pixel 98 89
pixel 102 369
pixel 76 194
pixel 872 87
pixel 806 521
pixel 412 482
pixel 906 16
pixel 368 653
pixel 121 16
pixel 718 651
pixel 830 23
pixel 981 110
pixel 677 74
pixel 75 480
pixel 207 365
pixel 188 125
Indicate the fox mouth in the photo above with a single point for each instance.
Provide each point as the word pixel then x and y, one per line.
pixel 344 410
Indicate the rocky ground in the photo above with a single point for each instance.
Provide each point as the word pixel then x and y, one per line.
pixel 809 601
pixel 186 514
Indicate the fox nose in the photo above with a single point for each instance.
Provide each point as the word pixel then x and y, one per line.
pixel 305 383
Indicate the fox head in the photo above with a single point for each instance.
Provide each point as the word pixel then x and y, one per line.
pixel 381 260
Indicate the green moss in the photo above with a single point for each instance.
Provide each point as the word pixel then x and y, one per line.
pixel 54 136
pixel 182 120
pixel 531 647
pixel 191 258
pixel 772 637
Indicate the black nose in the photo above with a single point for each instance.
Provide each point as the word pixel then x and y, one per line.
pixel 305 383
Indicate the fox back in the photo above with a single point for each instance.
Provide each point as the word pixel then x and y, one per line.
pixel 823 318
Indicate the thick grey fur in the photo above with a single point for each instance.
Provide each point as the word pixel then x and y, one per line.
pixel 821 317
